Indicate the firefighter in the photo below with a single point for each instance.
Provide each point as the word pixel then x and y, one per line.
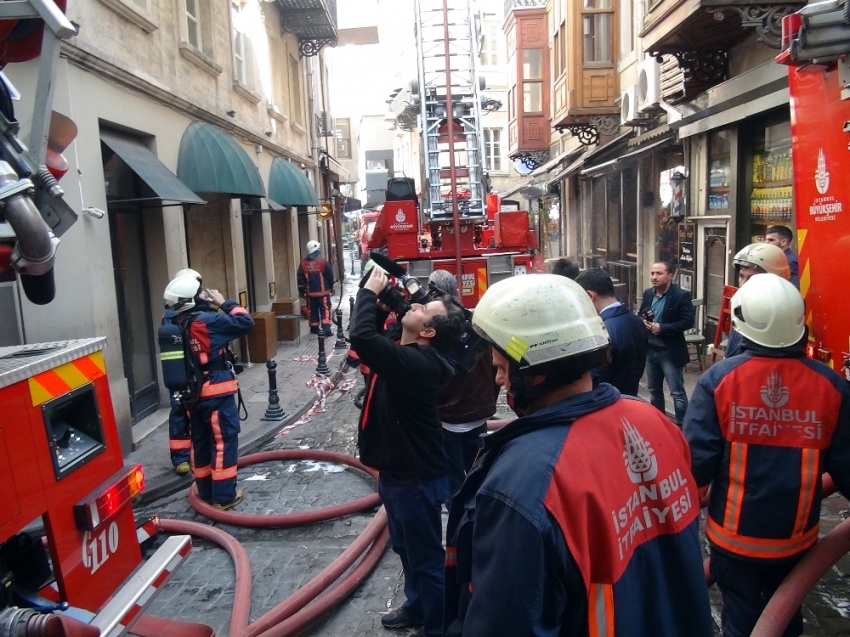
pixel 581 516
pixel 315 283
pixel 756 258
pixel 179 438
pixel 214 419
pixel 763 426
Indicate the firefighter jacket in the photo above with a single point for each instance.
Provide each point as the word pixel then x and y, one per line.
pixel 315 276
pixel 400 431
pixel 763 426
pixel 581 519
pixel 209 335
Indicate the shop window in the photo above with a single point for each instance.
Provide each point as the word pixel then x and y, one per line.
pixel 772 193
pixel 493 149
pixel 719 171
pixel 597 32
pixel 343 138
pixel 671 210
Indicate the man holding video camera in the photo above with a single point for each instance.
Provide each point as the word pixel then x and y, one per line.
pixel 400 435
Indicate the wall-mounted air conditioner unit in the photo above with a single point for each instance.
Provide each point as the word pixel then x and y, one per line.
pixel 649 84
pixel 628 107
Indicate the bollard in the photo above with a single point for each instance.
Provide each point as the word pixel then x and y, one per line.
pixel 352 262
pixel 350 311
pixel 322 362
pixel 341 343
pixel 273 411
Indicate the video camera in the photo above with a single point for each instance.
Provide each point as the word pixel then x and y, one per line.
pixel 647 315
pixel 390 296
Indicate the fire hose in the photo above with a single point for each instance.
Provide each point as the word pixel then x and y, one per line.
pixel 306 605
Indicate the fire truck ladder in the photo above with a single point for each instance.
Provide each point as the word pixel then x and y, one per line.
pixel 450 105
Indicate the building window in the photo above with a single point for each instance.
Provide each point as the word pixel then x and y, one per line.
pixel 493 149
pixel 597 29
pixel 627 36
pixel 343 138
pixel 490 46
pixel 193 24
pixel 532 80
pixel 296 101
pixel 241 43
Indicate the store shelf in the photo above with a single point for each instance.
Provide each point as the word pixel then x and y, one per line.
pixel 771 184
pixel 719 156
pixel 720 188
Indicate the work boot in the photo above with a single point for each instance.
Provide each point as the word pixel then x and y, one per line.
pixel 400 618
pixel 240 495
pixel 182 469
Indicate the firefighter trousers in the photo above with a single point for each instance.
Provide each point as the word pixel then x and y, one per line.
pixel 179 440
pixel 215 447
pixel 320 313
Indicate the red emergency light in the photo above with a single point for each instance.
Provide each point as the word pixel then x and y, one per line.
pixel 105 501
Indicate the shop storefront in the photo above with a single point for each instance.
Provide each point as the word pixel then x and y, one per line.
pixel 738 178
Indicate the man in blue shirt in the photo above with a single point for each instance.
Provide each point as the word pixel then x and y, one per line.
pixel 671 314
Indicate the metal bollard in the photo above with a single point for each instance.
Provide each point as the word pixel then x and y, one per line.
pixel 322 362
pixel 273 411
pixel 350 311
pixel 352 262
pixel 341 343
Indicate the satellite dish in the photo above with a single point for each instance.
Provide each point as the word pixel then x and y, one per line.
pixel 522 167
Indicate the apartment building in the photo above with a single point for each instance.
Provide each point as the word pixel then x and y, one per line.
pixel 199 145
pixel 659 129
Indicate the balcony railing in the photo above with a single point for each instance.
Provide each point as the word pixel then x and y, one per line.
pixel 510 5
pixel 312 21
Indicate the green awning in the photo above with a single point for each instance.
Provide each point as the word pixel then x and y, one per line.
pixel 212 161
pixel 167 189
pixel 288 187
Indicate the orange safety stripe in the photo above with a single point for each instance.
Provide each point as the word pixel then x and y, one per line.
pixel 215 425
pixel 224 474
pixel 202 472
pixel 808 482
pixel 600 610
pixel 219 389
pixel 238 309
pixel 179 444
pixel 756 547
pixel 735 492
pixel 451 556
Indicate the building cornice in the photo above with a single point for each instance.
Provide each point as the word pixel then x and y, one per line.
pixel 90 61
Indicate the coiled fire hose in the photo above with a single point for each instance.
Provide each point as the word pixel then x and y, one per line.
pixel 306 605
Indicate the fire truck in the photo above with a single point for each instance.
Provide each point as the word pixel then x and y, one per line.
pixel 816 47
pixel 70 556
pixel 456 226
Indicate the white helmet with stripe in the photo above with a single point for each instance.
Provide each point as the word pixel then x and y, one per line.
pixel 181 291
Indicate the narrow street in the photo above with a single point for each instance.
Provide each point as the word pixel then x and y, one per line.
pixel 282 560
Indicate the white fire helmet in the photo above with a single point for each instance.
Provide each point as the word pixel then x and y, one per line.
pixel 312 246
pixel 769 311
pixel 764 257
pixel 180 292
pixel 189 272
pixel 544 324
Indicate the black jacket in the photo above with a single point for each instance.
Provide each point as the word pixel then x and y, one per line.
pixel 400 431
pixel 628 350
pixel 470 396
pixel 677 318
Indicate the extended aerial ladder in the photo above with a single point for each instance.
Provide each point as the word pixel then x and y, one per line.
pixel 450 107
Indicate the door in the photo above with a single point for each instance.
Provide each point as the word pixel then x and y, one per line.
pixel 131 284
pixel 714 277
pixel 247 221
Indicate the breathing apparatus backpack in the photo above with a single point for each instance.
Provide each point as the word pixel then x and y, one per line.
pixel 181 372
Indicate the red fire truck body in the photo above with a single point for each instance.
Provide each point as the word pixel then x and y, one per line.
pixel 820 123
pixel 503 246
